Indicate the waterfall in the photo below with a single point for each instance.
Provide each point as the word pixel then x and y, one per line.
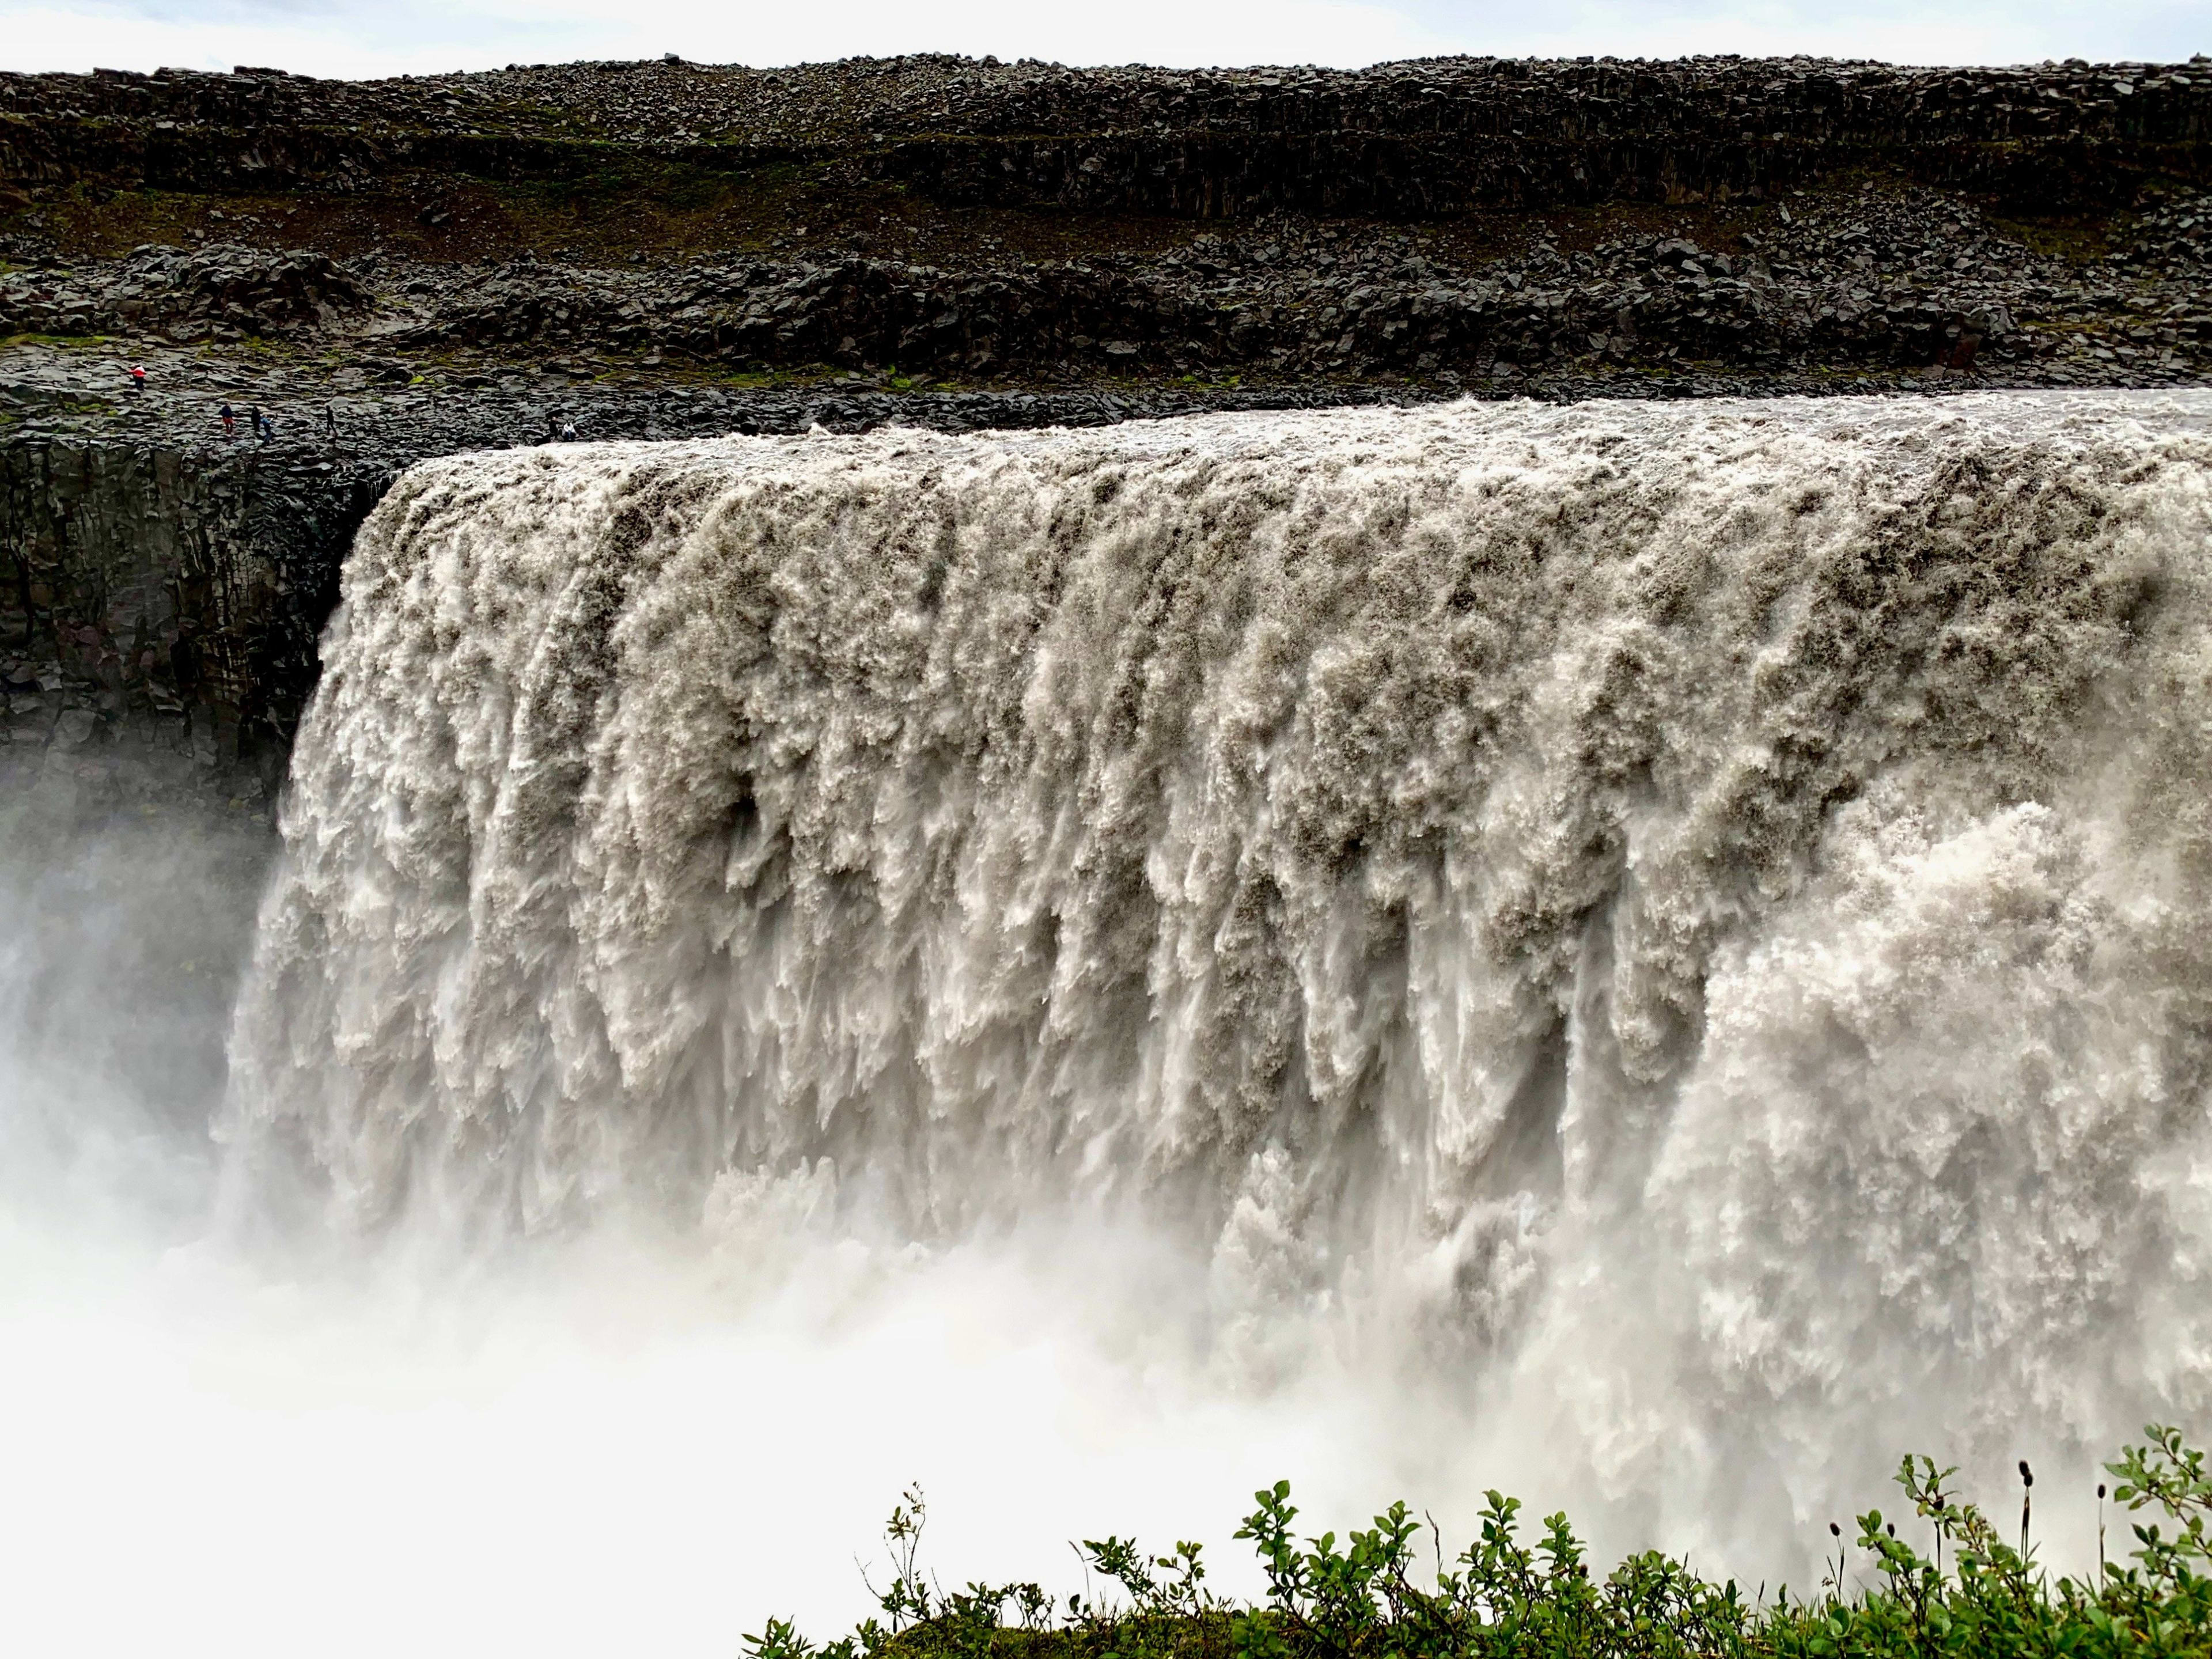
pixel 1686 921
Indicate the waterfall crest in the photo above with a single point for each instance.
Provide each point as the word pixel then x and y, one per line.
pixel 1700 899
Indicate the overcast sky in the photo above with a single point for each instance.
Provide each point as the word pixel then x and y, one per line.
pixel 382 36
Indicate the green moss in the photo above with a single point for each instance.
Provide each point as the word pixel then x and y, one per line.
pixel 2076 239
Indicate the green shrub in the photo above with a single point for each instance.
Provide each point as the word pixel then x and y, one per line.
pixel 1977 1596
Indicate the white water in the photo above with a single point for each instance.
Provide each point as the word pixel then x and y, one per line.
pixel 1649 956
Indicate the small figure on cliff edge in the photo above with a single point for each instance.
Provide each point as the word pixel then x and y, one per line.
pixel 229 422
pixel 138 377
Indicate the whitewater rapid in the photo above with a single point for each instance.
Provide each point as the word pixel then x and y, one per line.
pixel 1679 928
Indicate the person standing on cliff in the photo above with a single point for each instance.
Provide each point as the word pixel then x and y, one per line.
pixel 331 421
pixel 229 422
pixel 138 377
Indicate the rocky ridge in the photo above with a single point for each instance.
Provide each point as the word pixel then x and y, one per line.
pixel 1870 283
pixel 1453 222
pixel 1401 139
pixel 1858 284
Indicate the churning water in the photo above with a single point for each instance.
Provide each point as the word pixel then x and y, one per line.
pixel 1651 955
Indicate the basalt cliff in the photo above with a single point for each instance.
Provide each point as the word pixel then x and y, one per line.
pixel 368 274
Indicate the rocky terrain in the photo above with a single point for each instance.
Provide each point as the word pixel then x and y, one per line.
pixel 393 269
pixel 1447 223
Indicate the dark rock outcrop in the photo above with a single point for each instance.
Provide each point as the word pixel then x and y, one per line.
pixel 1400 140
pixel 200 294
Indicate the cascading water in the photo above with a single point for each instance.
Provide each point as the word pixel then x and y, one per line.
pixel 1677 929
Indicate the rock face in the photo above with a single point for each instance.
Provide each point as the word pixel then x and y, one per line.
pixel 1877 286
pixel 214 293
pixel 1863 283
pixel 153 594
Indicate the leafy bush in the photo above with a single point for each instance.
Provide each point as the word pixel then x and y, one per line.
pixel 1505 1598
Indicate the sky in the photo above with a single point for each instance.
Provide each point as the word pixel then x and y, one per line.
pixel 359 38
